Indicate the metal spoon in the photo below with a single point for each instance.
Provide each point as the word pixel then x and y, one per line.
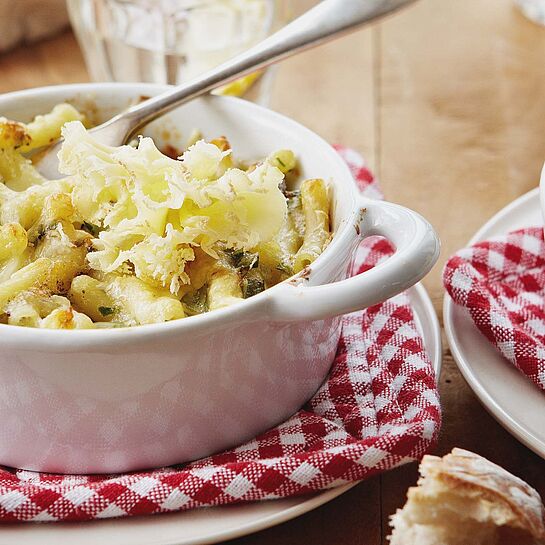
pixel 328 20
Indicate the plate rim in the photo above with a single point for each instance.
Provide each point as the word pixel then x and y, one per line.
pixel 425 313
pixel 511 424
pixel 274 519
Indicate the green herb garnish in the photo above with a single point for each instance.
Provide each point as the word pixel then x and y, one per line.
pixel 282 164
pixel 239 259
pixel 91 228
pixel 195 302
pixel 106 311
pixel 252 284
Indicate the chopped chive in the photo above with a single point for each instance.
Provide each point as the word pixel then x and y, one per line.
pixel 106 311
pixel 239 259
pixel 195 302
pixel 91 228
pixel 252 284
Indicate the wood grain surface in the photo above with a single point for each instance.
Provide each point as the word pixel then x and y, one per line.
pixel 447 102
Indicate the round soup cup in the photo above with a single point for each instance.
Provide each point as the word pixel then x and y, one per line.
pixel 116 400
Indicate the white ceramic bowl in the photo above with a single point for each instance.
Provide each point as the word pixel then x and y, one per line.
pixel 95 401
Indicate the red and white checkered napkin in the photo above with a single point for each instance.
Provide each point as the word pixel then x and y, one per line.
pixel 501 282
pixel 378 409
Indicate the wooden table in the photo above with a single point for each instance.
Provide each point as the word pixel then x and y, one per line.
pixel 447 102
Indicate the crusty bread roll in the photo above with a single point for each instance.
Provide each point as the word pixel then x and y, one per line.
pixel 463 499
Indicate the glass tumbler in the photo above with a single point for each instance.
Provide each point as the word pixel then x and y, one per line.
pixel 172 41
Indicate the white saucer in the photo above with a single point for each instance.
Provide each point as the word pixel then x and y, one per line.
pixel 204 526
pixel 511 398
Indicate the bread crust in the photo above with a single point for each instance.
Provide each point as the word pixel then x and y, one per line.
pixel 494 498
pixel 465 469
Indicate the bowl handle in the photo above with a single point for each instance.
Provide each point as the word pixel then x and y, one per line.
pixel 417 249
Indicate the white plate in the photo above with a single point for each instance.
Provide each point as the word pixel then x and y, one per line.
pixel 204 526
pixel 510 397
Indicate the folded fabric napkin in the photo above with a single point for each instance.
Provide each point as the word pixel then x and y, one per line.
pixel 501 282
pixel 378 409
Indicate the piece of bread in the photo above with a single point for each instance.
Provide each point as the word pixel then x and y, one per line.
pixel 463 499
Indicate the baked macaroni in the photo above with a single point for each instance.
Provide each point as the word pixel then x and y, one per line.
pixel 132 236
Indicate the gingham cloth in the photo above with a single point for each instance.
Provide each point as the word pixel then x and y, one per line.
pixel 501 283
pixel 378 409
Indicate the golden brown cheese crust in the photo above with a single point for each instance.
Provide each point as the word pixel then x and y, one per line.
pixel 13 134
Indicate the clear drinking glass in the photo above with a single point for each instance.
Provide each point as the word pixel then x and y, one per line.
pixel 533 9
pixel 172 41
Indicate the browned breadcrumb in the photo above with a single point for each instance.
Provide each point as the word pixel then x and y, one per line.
pixel 14 133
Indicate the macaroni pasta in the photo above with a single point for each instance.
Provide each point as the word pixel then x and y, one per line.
pixel 132 236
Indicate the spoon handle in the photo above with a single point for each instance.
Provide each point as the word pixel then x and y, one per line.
pixel 327 20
